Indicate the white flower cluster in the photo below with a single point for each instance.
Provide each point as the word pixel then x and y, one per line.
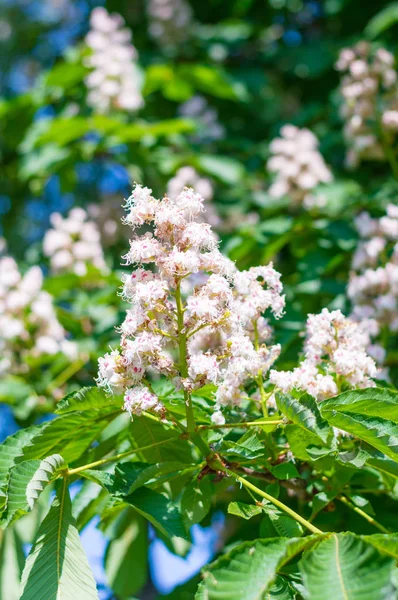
pixel 164 330
pixel 299 167
pixel 208 126
pixel 373 286
pixel 115 79
pixel 369 89
pixel 170 21
pixel 335 358
pixel 189 177
pixel 73 243
pixel 28 323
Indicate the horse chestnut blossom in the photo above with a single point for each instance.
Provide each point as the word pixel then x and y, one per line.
pixel 73 243
pixel 373 286
pixel 299 167
pixel 370 101
pixel 335 358
pixel 28 324
pixel 165 329
pixel 115 79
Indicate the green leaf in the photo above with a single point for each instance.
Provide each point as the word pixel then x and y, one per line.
pixel 280 590
pixel 385 544
pixel 299 440
pixel 248 570
pixel 285 471
pixel 88 398
pixel 245 511
pixel 47 471
pixel 144 432
pixel 27 480
pixel 12 559
pixel 304 413
pixel 57 566
pixel 126 555
pixel 383 20
pixel 196 501
pixel 70 434
pixel 226 169
pixel 370 414
pixel 130 476
pixel 286 526
pixel 248 446
pixel 345 567
pixel 159 510
pixel 88 502
pixel 168 127
pixel 65 75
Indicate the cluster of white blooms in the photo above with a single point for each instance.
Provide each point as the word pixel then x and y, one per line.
pixel 170 21
pixel 28 323
pixel 208 126
pixel 115 79
pixel 164 329
pixel 189 177
pixel 299 167
pixel 369 89
pixel 335 358
pixel 373 286
pixel 73 243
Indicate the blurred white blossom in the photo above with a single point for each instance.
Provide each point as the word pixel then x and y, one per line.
pixel 373 286
pixel 115 78
pixel 73 243
pixel 298 166
pixel 169 21
pixel 28 322
pixel 370 101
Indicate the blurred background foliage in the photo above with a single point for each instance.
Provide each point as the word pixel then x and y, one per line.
pixel 256 66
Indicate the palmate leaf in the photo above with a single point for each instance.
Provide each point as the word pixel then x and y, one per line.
pixel 370 414
pixel 249 569
pixel 346 567
pixel 57 566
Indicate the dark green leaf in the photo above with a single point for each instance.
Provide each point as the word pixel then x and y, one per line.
pixel 344 567
pixel 57 566
pixel 159 510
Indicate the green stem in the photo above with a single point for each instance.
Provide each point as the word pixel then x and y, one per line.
pixel 277 503
pixel 182 344
pixel 363 514
pixel 259 379
pixel 243 424
pixel 103 461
